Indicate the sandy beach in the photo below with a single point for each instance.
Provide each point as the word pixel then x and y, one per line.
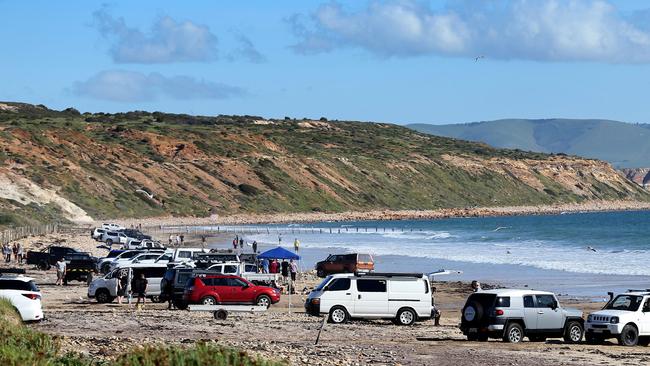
pixel 242 219
pixel 105 330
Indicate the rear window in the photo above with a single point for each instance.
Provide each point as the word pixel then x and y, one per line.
pixel 366 258
pixel 486 300
pixel 529 302
pixel 339 284
pixel 250 268
pixel 18 285
pixel 371 285
pixel 503 302
pixel 229 269
pixel 184 254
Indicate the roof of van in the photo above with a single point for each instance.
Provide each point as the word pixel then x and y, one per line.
pixel 379 275
pixel 514 292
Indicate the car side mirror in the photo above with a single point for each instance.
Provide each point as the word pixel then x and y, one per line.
pixel 326 288
pixel 554 305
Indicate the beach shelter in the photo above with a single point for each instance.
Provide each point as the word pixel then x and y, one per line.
pixel 279 253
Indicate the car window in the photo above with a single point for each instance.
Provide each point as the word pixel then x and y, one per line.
pixel 235 282
pixel 503 302
pixel 220 282
pixel 339 284
pixel 230 269
pixel 545 301
pixel 365 258
pixel 18 285
pixel 528 302
pixel 323 283
pixel 625 302
pixel 207 281
pixel 184 254
pixel 371 285
pixel 250 268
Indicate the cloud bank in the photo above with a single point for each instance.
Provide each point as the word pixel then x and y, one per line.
pixel 167 41
pixel 553 30
pixel 129 86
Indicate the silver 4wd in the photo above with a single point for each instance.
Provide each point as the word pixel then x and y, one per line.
pixel 626 317
pixel 514 314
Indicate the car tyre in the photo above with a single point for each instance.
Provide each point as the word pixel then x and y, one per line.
pixel 221 314
pixel 208 300
pixel 406 317
pixel 629 336
pixel 103 296
pixel 573 332
pixel 263 300
pixel 43 265
pixel 338 315
pixel 109 242
pixel 514 333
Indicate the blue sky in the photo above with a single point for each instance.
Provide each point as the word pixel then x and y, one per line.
pixel 395 61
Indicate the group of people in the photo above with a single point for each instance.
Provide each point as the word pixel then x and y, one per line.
pixel 285 268
pixel 139 285
pixel 238 243
pixel 16 249
pixel 177 239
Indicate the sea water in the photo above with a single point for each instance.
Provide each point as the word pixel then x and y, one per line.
pixel 576 253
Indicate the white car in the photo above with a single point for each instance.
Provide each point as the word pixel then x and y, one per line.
pixel 110 237
pixel 402 297
pixel 626 318
pixel 112 226
pixel 97 233
pixel 104 289
pixel 146 257
pixel 23 294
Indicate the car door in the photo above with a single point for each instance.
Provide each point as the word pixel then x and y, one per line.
pixel 239 291
pixel 645 317
pixel 338 292
pixel 371 297
pixel 549 316
pixel 222 288
pixel 530 312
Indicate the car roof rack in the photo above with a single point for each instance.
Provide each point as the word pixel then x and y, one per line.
pixel 14 271
pixel 388 274
pixel 636 290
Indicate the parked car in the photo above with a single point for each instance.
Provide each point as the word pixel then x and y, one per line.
pixel 248 271
pixel 104 289
pixel 47 257
pixel 345 263
pixel 22 293
pixel 228 289
pixel 514 314
pixel 143 244
pixel 626 318
pixel 205 260
pixel 146 257
pixel 112 226
pixel 402 297
pixel 113 237
pixel 186 254
pixel 108 264
pixel 97 233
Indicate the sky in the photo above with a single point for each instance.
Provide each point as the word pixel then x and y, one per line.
pixel 398 61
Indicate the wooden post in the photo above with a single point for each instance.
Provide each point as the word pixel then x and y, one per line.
pixel 321 329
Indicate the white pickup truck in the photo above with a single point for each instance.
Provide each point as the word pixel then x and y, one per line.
pixel 247 271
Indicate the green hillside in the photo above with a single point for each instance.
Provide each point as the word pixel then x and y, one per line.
pixel 624 145
pixel 66 164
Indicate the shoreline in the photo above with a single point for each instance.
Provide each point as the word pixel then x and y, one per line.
pixel 386 215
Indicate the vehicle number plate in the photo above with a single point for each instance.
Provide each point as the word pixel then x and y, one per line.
pixel 473 330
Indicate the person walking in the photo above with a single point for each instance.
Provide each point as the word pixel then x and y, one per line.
pixel 60 271
pixel 254 246
pixel 296 245
pixel 139 288
pixel 285 270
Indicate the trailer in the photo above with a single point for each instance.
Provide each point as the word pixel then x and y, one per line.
pixel 220 312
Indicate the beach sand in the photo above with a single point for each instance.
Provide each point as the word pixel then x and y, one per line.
pixel 106 330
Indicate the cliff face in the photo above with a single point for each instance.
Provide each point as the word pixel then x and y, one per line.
pixel 137 164
pixel 640 176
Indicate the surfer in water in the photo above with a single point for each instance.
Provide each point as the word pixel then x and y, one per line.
pixel 591 249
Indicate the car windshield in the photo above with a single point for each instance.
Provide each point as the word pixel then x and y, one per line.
pixel 625 302
pixel 322 284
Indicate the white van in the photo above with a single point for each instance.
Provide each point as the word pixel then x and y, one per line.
pixel 186 254
pixel 402 297
pixel 104 289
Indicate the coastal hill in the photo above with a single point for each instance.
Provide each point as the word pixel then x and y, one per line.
pixel 624 145
pixel 64 165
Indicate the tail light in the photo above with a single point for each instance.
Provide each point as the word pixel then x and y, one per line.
pixel 32 296
pixel 498 312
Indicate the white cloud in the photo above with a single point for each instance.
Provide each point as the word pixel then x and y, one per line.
pixel 167 41
pixel 246 51
pixel 129 86
pixel 552 30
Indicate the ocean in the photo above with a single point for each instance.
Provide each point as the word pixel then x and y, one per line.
pixel 581 254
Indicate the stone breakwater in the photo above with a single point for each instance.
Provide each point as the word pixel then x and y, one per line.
pixel 242 219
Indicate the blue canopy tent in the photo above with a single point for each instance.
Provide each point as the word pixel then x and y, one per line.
pixel 279 253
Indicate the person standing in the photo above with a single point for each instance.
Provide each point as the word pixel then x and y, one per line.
pixel 178 240
pixel 122 282
pixel 241 243
pixel 139 288
pixel 265 265
pixel 171 238
pixel 203 241
pixel 296 245
pixel 21 253
pixel 293 268
pixel 476 286
pixel 6 252
pixel 14 249
pixel 60 271
pixel 285 270
pixel 273 267
pixel 254 246
pixel 234 243
pixel 182 237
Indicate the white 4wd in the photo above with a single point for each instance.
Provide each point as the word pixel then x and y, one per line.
pixel 626 317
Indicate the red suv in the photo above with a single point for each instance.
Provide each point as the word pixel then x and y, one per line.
pixel 228 289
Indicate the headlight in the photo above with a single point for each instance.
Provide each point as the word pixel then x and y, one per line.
pixel 315 301
pixel 590 318
pixel 614 320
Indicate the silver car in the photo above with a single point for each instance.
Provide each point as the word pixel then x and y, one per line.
pixel 514 314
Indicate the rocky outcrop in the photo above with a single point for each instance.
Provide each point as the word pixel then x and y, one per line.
pixel 640 176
